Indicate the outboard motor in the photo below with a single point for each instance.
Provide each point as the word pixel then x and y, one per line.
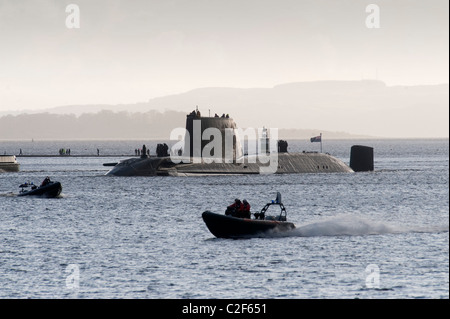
pixel 361 158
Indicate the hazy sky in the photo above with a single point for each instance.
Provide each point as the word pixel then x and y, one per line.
pixel 130 51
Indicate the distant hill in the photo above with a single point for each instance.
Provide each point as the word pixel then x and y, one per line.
pixel 115 125
pixel 362 108
pixel 101 125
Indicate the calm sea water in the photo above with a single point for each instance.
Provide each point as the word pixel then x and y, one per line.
pixel 383 234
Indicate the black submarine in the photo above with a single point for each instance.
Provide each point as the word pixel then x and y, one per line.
pixel 211 146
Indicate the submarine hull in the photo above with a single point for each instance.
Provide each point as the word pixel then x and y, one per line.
pixel 282 163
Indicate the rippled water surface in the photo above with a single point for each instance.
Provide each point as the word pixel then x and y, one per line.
pixel 382 234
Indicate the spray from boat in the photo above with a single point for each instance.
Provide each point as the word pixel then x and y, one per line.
pixel 352 225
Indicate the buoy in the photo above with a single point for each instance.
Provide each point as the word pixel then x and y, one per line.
pixel 361 158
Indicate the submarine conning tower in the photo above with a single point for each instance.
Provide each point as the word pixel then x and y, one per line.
pixel 201 135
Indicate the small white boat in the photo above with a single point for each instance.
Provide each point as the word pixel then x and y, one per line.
pixel 8 163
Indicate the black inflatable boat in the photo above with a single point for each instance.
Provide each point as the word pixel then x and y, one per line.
pixel 226 226
pixel 51 189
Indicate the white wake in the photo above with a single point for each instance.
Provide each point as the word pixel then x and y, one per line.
pixel 350 225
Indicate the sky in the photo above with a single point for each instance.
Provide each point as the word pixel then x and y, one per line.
pixel 132 51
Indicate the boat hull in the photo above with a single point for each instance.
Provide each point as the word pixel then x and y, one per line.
pixel 51 190
pixel 8 163
pixel 223 226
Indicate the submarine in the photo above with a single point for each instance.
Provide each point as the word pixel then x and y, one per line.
pixel 211 146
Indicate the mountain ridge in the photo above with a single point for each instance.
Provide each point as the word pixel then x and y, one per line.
pixel 364 108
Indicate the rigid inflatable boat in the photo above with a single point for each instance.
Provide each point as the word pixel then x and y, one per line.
pixel 228 226
pixel 50 189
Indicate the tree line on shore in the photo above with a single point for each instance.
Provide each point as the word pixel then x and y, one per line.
pixel 102 125
pixel 107 124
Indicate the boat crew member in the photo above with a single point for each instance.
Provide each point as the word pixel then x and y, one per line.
pixel 234 208
pixel 46 181
pixel 245 209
